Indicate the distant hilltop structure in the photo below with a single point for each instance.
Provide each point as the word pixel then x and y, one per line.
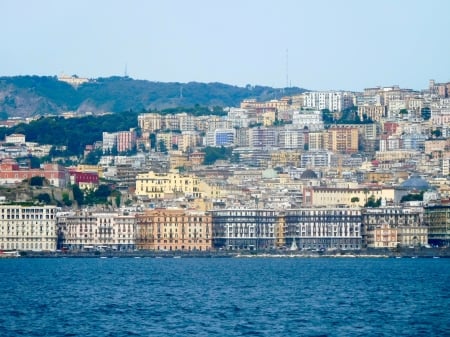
pixel 73 80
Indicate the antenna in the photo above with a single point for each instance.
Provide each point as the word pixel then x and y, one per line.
pixel 287 68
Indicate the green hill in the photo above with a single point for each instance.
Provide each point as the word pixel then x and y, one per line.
pixel 25 96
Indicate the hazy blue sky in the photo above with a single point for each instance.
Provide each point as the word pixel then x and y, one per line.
pixel 348 44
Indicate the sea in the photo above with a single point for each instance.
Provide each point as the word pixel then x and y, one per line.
pixel 224 297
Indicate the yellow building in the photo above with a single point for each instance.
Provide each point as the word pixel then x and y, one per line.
pixel 285 158
pixel 162 185
pixel 343 139
pixel 329 196
pixel 91 169
pixel 268 117
pixel 174 229
pixel 178 159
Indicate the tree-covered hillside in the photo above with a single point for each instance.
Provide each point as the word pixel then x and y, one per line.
pixel 26 96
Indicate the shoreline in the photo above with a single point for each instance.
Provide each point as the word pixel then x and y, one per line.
pixel 363 253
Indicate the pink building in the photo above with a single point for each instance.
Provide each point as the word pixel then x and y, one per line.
pixel 10 173
pixel 126 140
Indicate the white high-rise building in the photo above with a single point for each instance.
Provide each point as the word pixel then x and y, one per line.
pixel 28 228
pixel 331 100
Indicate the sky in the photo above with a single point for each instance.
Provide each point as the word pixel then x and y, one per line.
pixel 316 44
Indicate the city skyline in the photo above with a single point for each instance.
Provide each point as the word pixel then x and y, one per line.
pixel 321 45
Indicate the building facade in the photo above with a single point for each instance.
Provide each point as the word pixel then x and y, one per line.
pixel 174 230
pixel 251 229
pixel 323 228
pixel 86 230
pixel 28 228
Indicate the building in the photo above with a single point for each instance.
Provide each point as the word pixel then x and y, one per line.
pixel 28 228
pixel 154 185
pixel 15 138
pixel 174 229
pixel 251 229
pixel 331 100
pixel 11 173
pixel 437 219
pixel 263 137
pixel 320 196
pixel 85 180
pixel 87 230
pixel 126 140
pixel 220 137
pixel 343 139
pixel 323 228
pixel 149 122
pixel 390 227
pixel 385 237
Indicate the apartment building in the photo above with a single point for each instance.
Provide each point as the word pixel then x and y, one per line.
pixel 154 185
pixel 149 122
pixel 323 228
pixel 390 227
pixel 343 139
pixel 174 229
pixel 251 229
pixel 28 228
pixel 437 219
pixel 331 100
pixel 86 230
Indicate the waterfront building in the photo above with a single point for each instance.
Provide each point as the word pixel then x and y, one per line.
pixel 393 226
pixel 174 229
pixel 87 230
pixel 251 229
pixel 437 219
pixel 323 228
pixel 28 228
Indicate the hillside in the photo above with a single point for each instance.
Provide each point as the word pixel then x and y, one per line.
pixel 25 96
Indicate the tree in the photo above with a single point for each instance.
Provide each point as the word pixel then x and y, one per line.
pixel 371 202
pixel 436 133
pixel 354 200
pixel 403 111
pixel 425 113
pixel 215 153
pixel 327 116
pixel 66 199
pixel 162 146
pixel 44 198
pixel 78 195
pixel 153 140
pixel 93 157
pixel 37 181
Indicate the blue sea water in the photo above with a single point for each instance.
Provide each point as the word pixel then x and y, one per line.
pixel 224 297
